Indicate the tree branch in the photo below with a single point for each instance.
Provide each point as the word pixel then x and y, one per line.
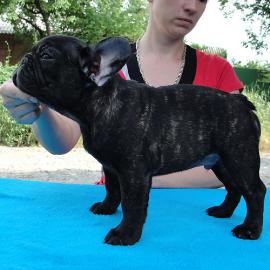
pixel 41 32
pixel 44 16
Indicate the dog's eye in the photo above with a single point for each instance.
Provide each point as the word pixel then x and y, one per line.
pixel 45 55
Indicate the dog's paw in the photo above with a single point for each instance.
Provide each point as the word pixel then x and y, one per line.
pixel 246 232
pixel 119 236
pixel 219 212
pixel 101 208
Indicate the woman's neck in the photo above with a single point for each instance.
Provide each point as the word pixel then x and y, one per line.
pixel 155 43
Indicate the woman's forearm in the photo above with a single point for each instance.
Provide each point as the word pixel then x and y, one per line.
pixel 194 178
pixel 56 133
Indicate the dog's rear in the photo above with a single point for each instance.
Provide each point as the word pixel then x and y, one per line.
pixel 239 167
pixel 251 108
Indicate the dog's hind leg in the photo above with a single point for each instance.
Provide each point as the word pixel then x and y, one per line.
pixel 244 169
pixel 113 195
pixel 233 196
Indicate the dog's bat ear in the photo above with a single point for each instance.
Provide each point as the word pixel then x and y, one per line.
pixel 90 64
pixel 109 57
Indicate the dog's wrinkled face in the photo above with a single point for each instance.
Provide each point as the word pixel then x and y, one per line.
pixel 60 69
pixel 52 72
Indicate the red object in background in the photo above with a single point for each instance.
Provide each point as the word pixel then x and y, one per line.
pixel 101 181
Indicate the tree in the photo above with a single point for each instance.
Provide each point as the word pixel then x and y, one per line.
pixel 257 13
pixel 211 50
pixel 85 19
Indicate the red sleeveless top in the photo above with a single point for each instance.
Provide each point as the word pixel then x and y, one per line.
pixel 200 69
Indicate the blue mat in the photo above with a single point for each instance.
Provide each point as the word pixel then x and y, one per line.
pixel 48 226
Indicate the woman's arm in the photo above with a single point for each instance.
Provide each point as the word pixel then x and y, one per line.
pixel 235 92
pixel 193 178
pixel 56 133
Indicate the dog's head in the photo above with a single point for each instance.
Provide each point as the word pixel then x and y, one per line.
pixel 60 69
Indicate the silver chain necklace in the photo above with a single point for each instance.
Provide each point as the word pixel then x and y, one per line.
pixel 181 68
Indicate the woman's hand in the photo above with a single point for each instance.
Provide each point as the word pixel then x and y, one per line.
pixel 24 108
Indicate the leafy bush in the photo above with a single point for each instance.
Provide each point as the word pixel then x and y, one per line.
pixel 6 72
pixel 261 100
pixel 87 20
pixel 11 133
pixel 211 50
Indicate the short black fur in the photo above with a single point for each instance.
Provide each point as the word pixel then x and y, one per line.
pixel 136 131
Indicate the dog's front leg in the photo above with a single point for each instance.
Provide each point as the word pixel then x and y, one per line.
pixel 113 195
pixel 135 190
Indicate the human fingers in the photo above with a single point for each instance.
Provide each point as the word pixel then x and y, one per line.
pixel 11 103
pixel 30 118
pixel 9 90
pixel 23 109
pixel 26 114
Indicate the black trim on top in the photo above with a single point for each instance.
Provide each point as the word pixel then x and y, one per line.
pixel 133 67
pixel 189 71
pixel 190 67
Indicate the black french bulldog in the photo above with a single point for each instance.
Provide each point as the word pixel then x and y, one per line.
pixel 136 131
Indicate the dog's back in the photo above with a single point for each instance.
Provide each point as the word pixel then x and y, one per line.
pixel 183 123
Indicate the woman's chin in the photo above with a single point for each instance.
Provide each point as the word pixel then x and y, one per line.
pixel 179 32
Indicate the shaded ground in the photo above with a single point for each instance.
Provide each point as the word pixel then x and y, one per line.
pixel 37 164
pixel 75 167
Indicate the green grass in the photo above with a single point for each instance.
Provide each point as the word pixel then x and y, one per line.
pixel 261 99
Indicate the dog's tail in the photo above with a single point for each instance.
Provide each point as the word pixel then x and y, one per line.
pixel 251 108
pixel 248 103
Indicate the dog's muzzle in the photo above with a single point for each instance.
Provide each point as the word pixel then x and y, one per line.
pixel 28 75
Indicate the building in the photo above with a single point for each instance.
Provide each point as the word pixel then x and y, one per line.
pixel 18 47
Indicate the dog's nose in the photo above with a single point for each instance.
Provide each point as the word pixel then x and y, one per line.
pixel 27 58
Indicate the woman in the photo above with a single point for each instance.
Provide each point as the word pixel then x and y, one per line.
pixel 159 58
